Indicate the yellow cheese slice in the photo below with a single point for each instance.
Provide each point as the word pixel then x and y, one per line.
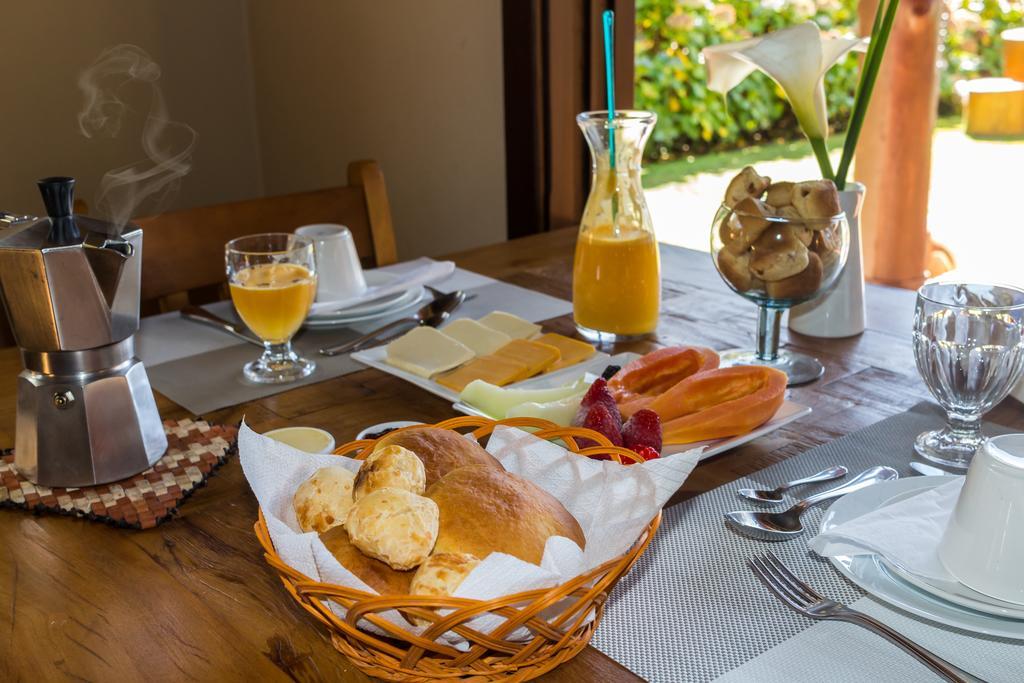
pixel 534 356
pixel 573 350
pixel 512 325
pixel 425 352
pixel 480 338
pixel 493 369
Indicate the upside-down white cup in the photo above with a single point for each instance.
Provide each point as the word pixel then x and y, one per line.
pixel 983 545
pixel 339 273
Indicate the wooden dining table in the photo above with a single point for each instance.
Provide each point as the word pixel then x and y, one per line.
pixel 193 598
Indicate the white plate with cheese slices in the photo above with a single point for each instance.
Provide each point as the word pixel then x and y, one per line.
pixel 788 412
pixel 377 358
pixel 500 345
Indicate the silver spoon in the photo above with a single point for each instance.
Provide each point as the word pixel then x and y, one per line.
pixel 775 495
pixel 781 526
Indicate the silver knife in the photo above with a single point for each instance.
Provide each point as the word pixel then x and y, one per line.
pixel 432 315
pixel 203 316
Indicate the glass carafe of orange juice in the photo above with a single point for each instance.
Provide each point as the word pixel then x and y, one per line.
pixel 616 282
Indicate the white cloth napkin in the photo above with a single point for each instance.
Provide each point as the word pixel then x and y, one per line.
pixel 613 503
pixel 410 274
pixel 906 533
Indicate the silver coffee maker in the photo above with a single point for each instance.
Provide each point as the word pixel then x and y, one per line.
pixel 70 284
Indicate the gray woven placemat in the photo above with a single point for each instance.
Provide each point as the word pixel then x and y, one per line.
pixel 692 611
pixel 211 378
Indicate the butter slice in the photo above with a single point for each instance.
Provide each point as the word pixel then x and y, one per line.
pixel 573 350
pixel 512 325
pixel 480 338
pixel 491 369
pixel 425 352
pixel 534 356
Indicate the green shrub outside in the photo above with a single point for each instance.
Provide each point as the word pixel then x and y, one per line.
pixel 671 79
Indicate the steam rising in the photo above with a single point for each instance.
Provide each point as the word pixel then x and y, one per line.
pixel 167 144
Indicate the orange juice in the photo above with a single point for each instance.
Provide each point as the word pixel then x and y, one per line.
pixel 616 283
pixel 273 299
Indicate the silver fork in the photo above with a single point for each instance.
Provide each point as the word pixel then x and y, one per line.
pixel 805 600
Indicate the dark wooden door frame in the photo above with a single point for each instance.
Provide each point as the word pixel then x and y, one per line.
pixel 554 69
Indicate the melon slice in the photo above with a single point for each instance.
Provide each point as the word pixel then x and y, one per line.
pixel 561 412
pixel 495 401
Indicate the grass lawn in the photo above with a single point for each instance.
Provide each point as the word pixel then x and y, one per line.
pixel 661 172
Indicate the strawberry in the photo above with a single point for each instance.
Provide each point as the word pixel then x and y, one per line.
pixel 648 453
pixel 598 394
pixel 643 430
pixel 602 421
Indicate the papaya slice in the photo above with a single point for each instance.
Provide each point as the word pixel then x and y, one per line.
pixel 647 377
pixel 720 403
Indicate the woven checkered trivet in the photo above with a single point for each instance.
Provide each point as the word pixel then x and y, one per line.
pixel 194 450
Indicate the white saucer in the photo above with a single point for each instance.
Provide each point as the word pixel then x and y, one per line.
pixel 885 582
pixel 380 305
pixel 952 590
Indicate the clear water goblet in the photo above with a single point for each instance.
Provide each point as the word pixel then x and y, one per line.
pixel 969 348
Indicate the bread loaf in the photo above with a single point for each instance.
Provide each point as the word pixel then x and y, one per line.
pixel 440 450
pixel 485 509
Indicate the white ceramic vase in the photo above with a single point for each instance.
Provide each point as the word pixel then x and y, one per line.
pixel 840 311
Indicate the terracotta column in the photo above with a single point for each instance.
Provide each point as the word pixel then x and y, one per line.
pixel 894 153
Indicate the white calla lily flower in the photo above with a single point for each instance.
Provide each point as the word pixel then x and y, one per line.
pixel 796 58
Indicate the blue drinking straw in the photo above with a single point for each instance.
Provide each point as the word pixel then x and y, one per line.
pixel 609 77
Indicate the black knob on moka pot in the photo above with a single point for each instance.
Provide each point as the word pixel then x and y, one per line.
pixel 59 198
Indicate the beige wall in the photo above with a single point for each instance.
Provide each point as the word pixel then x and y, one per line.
pixel 202 48
pixel 282 95
pixel 416 85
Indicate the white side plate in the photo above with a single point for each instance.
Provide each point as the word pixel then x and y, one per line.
pixel 874 576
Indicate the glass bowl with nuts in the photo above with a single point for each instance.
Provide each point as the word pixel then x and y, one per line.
pixel 779 244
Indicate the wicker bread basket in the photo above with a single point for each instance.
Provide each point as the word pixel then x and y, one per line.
pixel 556 635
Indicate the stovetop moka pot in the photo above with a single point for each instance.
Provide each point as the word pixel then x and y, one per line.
pixel 70 284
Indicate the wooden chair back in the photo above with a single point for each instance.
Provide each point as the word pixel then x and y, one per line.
pixel 183 251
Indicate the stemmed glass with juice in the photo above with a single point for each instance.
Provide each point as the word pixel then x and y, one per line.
pixel 272 278
pixel 617 274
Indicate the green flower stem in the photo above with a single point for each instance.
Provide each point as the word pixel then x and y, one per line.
pixel 872 63
pixel 821 152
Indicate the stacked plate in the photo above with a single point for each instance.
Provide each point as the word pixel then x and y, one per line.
pixel 949 603
pixel 369 310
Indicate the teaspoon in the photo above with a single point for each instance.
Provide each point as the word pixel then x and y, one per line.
pixel 775 495
pixel 780 526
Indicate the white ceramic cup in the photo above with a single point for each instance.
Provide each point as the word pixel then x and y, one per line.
pixel 339 273
pixel 983 545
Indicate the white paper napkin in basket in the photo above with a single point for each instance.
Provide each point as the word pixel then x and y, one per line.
pixel 906 533
pixel 613 503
